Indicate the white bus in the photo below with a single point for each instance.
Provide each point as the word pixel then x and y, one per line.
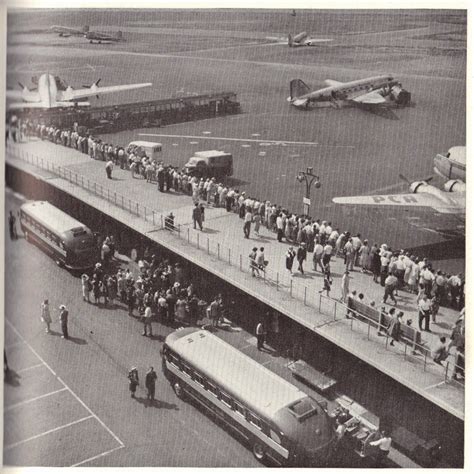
pixel 65 239
pixel 276 419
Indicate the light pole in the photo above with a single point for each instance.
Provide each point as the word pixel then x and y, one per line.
pixel 308 177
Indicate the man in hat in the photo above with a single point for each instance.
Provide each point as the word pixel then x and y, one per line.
pixel 150 380
pixel 301 256
pixel 197 216
pixel 45 315
pixel 63 316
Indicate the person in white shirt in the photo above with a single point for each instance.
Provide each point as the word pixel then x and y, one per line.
pixel 424 314
pixel 318 255
pixel 384 444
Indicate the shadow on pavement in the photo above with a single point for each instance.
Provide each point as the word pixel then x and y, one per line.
pixel 78 340
pixel 156 403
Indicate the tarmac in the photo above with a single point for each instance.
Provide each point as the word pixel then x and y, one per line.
pixel 222 249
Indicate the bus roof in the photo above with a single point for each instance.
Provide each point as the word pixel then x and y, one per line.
pixel 51 217
pixel 145 144
pixel 235 372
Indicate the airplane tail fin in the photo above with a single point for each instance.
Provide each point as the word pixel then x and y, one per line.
pixel 298 88
pixel 85 29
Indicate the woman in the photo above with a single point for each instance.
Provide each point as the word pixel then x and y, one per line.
pixel 376 266
pixel 344 286
pixel 85 287
pixel 46 315
pixel 258 220
pixel 327 283
pixel 289 259
pixel 394 328
pixel 133 381
pixel 364 256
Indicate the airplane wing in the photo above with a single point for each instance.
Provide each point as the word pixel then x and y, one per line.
pixel 26 105
pixel 371 98
pixel 330 82
pixel 12 94
pixel 94 90
pixel 457 205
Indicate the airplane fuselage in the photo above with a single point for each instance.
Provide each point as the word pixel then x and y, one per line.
pixel 452 165
pixel 343 91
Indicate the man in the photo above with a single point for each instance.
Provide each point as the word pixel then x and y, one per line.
pixel 63 317
pixel 260 333
pixel 260 259
pixel 440 351
pixel 301 257
pixel 390 286
pixel 147 322
pixel 214 312
pixel 424 308
pixel 12 226
pixel 318 255
pixel 150 380
pixel 384 444
pixel 280 225
pixel 253 262
pixel 108 169
pixel 45 315
pixel 345 286
pixel 247 223
pixel 197 216
pixel 289 258
pixel 327 255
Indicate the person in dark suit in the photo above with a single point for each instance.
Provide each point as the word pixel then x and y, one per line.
pixel 150 380
pixel 63 318
pixel 301 256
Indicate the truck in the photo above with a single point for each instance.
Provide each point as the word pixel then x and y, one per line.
pixel 210 163
pixel 151 149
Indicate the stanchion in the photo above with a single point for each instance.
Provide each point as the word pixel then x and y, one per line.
pixel 335 309
pixel 153 216
pixel 162 226
pixel 188 235
pixel 218 251
pixel 240 258
pixel 368 331
pixel 305 295
pixel 115 198
pixel 198 241
pixel 229 256
pixel 207 245
pixel 122 204
pixel 277 280
pixel 291 288
pixel 138 212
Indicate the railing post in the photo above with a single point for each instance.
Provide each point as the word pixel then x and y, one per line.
pixel 368 331
pixel 240 258
pixel 122 204
pixel 424 362
pixel 405 352
pixel 144 212
pixel 108 194
pixel 138 213
pixel 305 295
pixel 130 205
pixel 218 251
pixel 95 188
pixel 335 309
pixel 277 280
pixel 115 198
pixel 291 288
pixel 229 256
pixel 82 180
pixel 161 217
pixel 188 235
pixel 207 245
pixel 198 241
pixel 179 230
pixel 446 372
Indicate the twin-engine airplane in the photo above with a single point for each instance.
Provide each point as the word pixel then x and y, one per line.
pixel 66 31
pixel 451 200
pixel 52 92
pixel 302 39
pixel 369 92
pixel 103 38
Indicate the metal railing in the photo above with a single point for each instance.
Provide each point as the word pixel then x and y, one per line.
pixel 281 281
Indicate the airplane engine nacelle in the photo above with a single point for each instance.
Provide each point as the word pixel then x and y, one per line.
pixel 400 96
pixel 454 186
pixel 418 186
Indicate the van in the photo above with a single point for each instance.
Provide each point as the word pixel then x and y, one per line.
pixel 210 163
pixel 152 149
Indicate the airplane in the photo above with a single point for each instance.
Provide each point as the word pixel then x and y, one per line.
pixel 449 200
pixel 452 165
pixel 52 93
pixel 66 32
pixel 103 38
pixel 368 92
pixel 302 39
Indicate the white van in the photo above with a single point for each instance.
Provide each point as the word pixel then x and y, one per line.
pixel 152 149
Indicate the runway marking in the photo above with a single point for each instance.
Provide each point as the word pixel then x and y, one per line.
pixel 25 402
pixel 15 330
pixel 105 453
pixel 29 368
pixel 19 443
pixel 262 143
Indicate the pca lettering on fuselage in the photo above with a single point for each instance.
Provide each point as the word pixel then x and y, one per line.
pixel 397 199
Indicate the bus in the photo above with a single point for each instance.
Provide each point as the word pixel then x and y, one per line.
pixel 66 240
pixel 276 419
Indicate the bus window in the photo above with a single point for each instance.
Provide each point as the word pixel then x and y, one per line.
pixel 255 420
pixel 213 389
pixel 172 359
pixel 226 399
pixel 187 370
pixel 198 379
pixel 240 409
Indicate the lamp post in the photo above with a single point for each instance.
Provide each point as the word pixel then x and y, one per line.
pixel 308 177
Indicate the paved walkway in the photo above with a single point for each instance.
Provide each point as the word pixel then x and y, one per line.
pixel 222 249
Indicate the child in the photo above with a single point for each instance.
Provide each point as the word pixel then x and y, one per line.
pixel 327 283
pixel 133 381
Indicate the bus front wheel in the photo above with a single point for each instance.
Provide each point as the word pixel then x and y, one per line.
pixel 178 390
pixel 258 451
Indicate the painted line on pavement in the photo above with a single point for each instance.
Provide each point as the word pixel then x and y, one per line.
pixel 64 383
pixel 25 402
pixel 93 458
pixel 254 140
pixel 29 368
pixel 19 443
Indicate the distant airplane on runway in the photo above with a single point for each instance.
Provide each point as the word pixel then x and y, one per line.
pixel 368 92
pixel 451 200
pixel 66 32
pixel 302 39
pixel 52 92
pixel 103 38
